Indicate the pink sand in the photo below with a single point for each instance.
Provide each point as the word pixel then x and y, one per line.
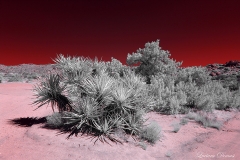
pixel 34 143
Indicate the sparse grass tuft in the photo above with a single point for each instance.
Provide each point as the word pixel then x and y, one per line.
pixel 204 119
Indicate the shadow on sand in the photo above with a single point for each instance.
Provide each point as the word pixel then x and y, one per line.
pixel 28 121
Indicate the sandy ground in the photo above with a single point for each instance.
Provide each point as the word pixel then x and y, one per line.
pixel 34 143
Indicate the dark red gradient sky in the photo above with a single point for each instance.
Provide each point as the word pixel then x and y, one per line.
pixel 197 32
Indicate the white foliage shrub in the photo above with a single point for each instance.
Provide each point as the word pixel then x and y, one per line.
pixel 199 75
pixel 153 61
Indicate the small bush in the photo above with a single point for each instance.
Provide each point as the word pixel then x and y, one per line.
pixel 183 121
pixel 151 133
pixel 235 100
pixel 176 127
pixel 14 78
pixel 153 61
pixel 169 99
pixel 230 82
pixel 199 75
pixel 32 76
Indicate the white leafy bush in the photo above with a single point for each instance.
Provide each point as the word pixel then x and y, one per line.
pixel 169 99
pixel 153 61
pixel 198 75
pixel 94 100
pixel 151 133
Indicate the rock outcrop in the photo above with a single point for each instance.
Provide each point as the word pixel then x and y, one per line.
pixel 229 68
pixel 228 73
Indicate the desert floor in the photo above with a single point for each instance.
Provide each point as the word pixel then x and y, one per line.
pixel 192 141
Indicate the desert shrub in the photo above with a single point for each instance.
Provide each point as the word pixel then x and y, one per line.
pixel 25 74
pixel 190 90
pixel 98 98
pixel 176 127
pixel 231 82
pixel 183 121
pixel 14 77
pixel 207 97
pixel 198 75
pixel 29 76
pixel 204 119
pixel 235 100
pixel 168 99
pixel 151 133
pixel 179 98
pixel 115 68
pixel 96 102
pixel 73 69
pixel 1 77
pixel 32 76
pixel 153 61
pixel 213 96
pixel 183 93
pixel 204 101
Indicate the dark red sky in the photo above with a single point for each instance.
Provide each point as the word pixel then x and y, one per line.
pixel 195 32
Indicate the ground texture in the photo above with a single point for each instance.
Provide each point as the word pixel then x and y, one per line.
pixel 192 141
